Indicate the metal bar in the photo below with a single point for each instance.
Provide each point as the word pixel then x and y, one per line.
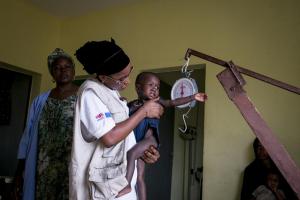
pixel 245 71
pixel 277 152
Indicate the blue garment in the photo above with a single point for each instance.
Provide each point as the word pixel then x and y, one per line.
pixel 141 129
pixel 28 145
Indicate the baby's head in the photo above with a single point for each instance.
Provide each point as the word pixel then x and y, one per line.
pixel 147 86
pixel 273 179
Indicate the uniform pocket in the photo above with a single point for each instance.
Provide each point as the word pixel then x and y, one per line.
pixel 107 172
pixel 108 157
pixel 100 190
pixel 106 183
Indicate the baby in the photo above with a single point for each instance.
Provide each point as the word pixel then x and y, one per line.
pixel 147 134
pixel 270 190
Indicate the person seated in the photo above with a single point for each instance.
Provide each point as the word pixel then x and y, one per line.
pixel 270 190
pixel 257 170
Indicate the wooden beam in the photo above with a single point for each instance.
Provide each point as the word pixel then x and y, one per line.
pixel 245 71
pixel 277 152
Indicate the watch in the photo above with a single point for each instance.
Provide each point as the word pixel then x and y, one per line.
pixel 184 87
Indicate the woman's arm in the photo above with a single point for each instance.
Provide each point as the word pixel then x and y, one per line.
pixel 150 109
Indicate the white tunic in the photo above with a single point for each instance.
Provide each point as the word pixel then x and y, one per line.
pixel 97 172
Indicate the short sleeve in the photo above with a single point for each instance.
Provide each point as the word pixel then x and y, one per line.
pixel 96 119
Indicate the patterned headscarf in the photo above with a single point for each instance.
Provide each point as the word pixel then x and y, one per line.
pixel 56 54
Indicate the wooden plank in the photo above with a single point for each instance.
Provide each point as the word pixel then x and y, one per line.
pixel 277 152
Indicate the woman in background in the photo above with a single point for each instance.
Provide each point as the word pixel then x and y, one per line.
pixel 45 147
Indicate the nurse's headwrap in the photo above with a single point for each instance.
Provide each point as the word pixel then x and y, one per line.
pixel 102 57
pixel 55 55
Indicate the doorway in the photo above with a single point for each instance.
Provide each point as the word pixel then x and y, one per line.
pixel 158 176
pixel 17 89
pixel 178 173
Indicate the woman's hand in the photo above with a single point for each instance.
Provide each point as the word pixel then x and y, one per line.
pixel 153 109
pixel 151 155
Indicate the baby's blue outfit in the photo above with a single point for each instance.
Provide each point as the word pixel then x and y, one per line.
pixel 141 129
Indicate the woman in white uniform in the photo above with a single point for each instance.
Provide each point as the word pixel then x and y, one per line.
pixel 102 128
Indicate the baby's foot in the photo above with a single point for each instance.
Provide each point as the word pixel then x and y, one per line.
pixel 124 191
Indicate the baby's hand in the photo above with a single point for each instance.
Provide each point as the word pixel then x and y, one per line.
pixel 274 188
pixel 200 97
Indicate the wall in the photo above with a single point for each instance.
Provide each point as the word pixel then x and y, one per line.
pixel 27 36
pixel 260 35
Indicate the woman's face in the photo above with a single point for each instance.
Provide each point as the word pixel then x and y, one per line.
pixel 63 71
pixel 118 81
pixel 261 152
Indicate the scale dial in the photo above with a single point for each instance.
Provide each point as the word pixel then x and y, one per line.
pixel 182 88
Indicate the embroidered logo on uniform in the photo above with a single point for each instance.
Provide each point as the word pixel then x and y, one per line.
pixel 100 116
pixel 108 115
